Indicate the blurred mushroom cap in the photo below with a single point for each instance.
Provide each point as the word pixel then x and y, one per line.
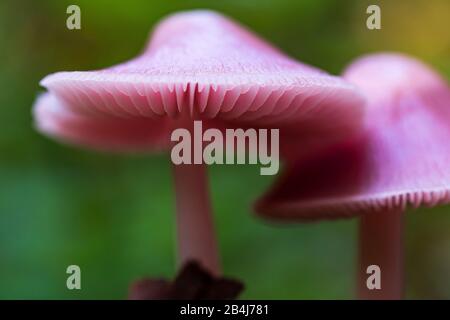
pixel 402 157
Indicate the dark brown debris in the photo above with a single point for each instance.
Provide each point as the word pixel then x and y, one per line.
pixel 193 282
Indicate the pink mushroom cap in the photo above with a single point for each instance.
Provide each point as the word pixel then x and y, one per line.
pixel 401 158
pixel 197 65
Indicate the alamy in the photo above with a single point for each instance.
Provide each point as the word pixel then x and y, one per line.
pixel 213 147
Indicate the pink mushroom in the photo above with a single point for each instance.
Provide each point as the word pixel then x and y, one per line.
pixel 401 159
pixel 197 65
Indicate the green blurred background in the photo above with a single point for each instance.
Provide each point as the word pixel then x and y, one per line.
pixel 112 214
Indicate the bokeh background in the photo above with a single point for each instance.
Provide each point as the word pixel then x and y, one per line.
pixel 112 214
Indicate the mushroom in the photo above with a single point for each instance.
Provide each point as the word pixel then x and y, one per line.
pixel 400 159
pixel 198 65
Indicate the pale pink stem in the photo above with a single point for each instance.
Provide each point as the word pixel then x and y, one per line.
pixel 195 227
pixel 381 244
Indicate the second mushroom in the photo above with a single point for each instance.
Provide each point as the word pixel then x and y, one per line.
pixel 400 159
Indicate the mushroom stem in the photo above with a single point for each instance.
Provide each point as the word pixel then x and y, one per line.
pixel 195 226
pixel 381 244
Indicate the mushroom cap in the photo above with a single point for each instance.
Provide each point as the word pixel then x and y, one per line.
pixel 106 133
pixel 401 158
pixel 197 65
